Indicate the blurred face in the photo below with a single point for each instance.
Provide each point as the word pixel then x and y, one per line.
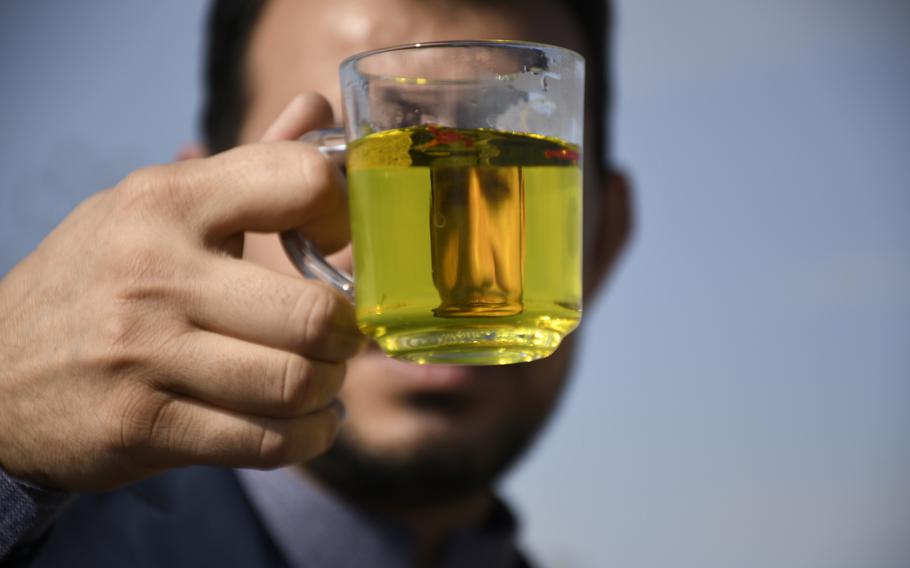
pixel 413 432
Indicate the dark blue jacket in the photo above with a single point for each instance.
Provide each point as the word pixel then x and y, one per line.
pixel 196 516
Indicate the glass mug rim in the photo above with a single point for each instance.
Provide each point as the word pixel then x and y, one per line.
pixel 350 63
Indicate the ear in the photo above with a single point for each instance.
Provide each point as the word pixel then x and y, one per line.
pixel 191 151
pixel 613 228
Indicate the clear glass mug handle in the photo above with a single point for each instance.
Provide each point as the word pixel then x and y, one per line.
pixel 303 254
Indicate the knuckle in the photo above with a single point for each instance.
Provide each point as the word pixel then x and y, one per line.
pixel 142 186
pixel 115 346
pixel 119 347
pixel 140 271
pixel 141 180
pixel 139 260
pixel 141 268
pixel 138 413
pixel 156 189
pixel 296 383
pixel 129 338
pixel 317 172
pixel 314 315
pixel 298 439
pixel 275 448
pixel 136 257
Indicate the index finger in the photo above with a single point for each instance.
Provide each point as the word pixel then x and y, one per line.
pixel 267 187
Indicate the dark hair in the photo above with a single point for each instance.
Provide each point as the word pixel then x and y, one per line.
pixel 231 24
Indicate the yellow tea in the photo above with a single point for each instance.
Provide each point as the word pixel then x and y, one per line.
pixel 467 243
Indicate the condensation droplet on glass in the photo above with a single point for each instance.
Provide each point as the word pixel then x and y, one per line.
pixel 439 220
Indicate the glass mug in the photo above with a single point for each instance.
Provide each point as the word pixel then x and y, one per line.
pixel 463 162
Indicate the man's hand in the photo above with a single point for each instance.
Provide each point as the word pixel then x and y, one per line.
pixel 134 340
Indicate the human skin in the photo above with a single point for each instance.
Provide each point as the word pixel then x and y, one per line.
pixel 134 340
pixel 385 418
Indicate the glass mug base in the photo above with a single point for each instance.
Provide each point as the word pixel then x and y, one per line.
pixel 476 344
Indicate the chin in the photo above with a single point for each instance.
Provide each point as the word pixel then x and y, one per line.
pixel 421 457
pixel 425 433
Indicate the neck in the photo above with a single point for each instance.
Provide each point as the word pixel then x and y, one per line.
pixel 430 524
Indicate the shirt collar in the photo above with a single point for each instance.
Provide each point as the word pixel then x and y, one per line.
pixel 314 528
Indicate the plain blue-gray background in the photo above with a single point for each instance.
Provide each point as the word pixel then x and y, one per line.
pixel 743 395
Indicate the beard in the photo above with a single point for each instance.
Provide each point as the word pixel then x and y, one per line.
pixel 434 473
